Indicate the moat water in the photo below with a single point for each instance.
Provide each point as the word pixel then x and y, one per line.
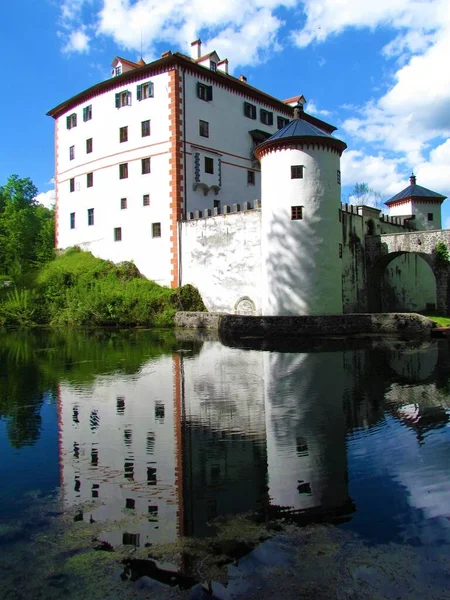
pixel 220 464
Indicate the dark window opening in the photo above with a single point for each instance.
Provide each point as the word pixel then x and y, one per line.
pixel 266 117
pixel 120 405
pixel 152 513
pixel 340 250
pixel 297 172
pixel 145 128
pixel 123 171
pixel 89 146
pixel 94 457
pixel 150 446
pixel 130 503
pixel 203 127
pixel 90 214
pixel 251 177
pixel 282 122
pixel 339 177
pixel 204 92
pixel 94 491
pixel 89 179
pixel 146 200
pixel 156 230
pixel 296 213
pixel 209 165
pixel 77 485
pixel 117 234
pixel 128 470
pixel 87 113
pixel 370 227
pixel 304 488
pixel 145 163
pixel 131 539
pixel 159 411
pixel 249 110
pixel 72 185
pixel 430 216
pixel 123 203
pixel 151 476
pixel 71 152
pixel 123 134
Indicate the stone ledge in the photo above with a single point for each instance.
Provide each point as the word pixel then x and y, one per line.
pixel 409 324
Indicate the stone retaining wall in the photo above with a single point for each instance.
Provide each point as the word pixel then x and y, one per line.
pixel 317 325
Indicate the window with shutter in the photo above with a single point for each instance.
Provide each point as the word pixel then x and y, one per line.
pixel 123 99
pixel 249 110
pixel 71 121
pixel 204 92
pixel 266 117
pixel 87 113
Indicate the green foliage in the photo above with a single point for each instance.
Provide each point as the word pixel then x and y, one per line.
pixel 26 228
pixel 77 289
pixel 441 254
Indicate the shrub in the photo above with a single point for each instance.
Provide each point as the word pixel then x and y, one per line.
pixel 441 254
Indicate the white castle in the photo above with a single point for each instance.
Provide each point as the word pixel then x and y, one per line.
pixel 198 177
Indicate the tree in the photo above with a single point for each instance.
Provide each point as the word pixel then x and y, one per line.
pixel 26 228
pixel 363 194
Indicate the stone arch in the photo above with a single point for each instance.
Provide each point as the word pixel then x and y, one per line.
pixel 378 270
pixel 245 306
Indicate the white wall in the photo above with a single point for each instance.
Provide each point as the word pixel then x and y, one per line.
pixel 152 256
pixel 221 256
pixel 229 140
pixel 301 268
pixel 420 210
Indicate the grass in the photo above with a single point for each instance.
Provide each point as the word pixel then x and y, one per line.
pixel 77 289
pixel 439 319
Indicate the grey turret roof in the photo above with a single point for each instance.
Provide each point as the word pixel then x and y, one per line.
pixel 416 191
pixel 300 128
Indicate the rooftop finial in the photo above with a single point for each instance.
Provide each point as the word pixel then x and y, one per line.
pixel 412 179
pixel 298 110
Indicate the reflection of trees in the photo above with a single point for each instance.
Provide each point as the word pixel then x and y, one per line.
pixel 32 363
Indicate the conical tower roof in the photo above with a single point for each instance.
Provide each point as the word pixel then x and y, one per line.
pixel 415 192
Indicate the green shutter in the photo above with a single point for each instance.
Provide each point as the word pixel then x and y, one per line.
pixel 139 92
pixel 150 89
pixel 117 100
pixel 68 122
pixel 209 95
pixel 74 119
pixel 84 114
pixel 199 86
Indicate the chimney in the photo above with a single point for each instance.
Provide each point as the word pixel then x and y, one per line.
pixel 197 43
pixel 243 78
pixel 412 179
pixel 298 110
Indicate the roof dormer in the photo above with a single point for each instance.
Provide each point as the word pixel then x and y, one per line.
pixel 122 65
pixel 210 61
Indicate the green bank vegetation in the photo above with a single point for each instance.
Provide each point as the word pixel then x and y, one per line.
pixel 77 289
pixel 38 287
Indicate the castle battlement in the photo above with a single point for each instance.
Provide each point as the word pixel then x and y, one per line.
pixel 226 209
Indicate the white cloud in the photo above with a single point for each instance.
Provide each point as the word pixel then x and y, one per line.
pixel 313 109
pixel 78 42
pixel 435 172
pixel 47 199
pixel 381 173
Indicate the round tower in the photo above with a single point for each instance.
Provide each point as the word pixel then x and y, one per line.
pixel 301 236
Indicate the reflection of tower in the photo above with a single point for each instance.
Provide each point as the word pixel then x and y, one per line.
pixel 306 432
pixel 118 451
pixel 224 446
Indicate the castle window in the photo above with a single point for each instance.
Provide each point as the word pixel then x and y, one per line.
pixel 146 200
pixel 130 503
pixel 339 177
pixel 117 234
pixel 89 179
pixel 89 146
pixel 340 250
pixel 296 213
pixel 90 215
pixel 249 110
pixel 297 172
pixel 144 91
pixel 123 99
pixel 118 70
pixel 251 177
pixel 282 122
pixel 72 185
pixel 209 165
pixel 123 171
pixel 430 216
pixel 123 203
pixel 87 113
pixel 216 204
pixel 151 476
pixel 266 117
pixel 72 220
pixel 204 92
pixel 71 121
pixel 156 230
pixel 212 65
pixel 145 164
pixel 71 152
pixel 145 128
pixel 131 539
pixel 203 128
pixel 123 134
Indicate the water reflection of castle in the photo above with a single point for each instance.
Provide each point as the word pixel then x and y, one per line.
pixel 223 432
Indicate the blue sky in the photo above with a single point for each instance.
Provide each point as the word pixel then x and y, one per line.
pixel 377 70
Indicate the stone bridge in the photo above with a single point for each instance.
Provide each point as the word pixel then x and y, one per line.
pixel 382 249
